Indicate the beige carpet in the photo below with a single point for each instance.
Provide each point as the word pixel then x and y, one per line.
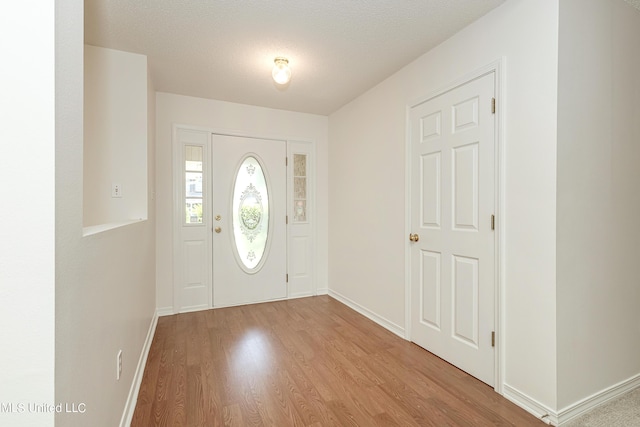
pixel 621 412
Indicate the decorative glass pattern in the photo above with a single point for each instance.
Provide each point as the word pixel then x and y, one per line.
pixel 300 211
pixel 299 187
pixel 300 165
pixel 250 213
pixel 193 184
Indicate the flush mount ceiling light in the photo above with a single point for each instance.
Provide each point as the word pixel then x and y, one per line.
pixel 281 72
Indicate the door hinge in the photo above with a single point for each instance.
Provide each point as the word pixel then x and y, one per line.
pixel 286 219
pixel 286 161
pixel 493 105
pixel 493 339
pixel 493 222
pixel 287 277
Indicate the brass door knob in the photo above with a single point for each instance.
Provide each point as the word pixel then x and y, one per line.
pixel 217 229
pixel 414 237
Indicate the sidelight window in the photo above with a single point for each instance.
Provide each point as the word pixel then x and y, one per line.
pixel 193 184
pixel 300 188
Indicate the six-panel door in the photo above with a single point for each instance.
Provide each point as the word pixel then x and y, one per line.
pixel 452 201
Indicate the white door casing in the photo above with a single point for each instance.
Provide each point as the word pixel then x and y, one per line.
pixel 236 280
pixel 193 228
pixel 452 200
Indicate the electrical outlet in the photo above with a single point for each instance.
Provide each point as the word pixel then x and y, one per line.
pixel 118 364
pixel 116 190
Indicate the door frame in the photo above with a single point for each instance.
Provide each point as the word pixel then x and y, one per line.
pixel 498 68
pixel 293 146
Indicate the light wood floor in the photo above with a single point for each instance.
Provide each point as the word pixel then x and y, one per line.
pixel 305 362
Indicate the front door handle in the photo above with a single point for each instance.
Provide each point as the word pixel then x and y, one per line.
pixel 414 237
pixel 218 229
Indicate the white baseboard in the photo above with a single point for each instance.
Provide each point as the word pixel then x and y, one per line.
pixel 300 295
pixel 165 311
pixel 192 308
pixel 132 399
pixel 574 410
pixel 322 291
pixel 585 405
pixel 530 405
pixel 387 324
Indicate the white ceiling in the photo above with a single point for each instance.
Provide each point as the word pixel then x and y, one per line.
pixel 634 3
pixel 224 49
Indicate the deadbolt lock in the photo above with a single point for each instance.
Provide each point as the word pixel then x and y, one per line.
pixel 218 217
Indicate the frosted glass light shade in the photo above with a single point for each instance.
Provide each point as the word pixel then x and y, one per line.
pixel 281 72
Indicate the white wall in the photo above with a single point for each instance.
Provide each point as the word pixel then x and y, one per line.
pixel 27 137
pixel 246 119
pixel 598 198
pixel 367 184
pixel 105 283
pixel 115 135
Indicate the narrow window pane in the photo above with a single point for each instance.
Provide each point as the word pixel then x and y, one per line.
pixel 193 158
pixel 300 165
pixel 193 183
pixel 193 211
pixel 300 187
pixel 300 210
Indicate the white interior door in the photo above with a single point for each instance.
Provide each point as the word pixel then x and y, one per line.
pixel 249 220
pixel 452 203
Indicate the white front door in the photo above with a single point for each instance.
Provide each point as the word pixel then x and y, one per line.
pixel 249 220
pixel 452 242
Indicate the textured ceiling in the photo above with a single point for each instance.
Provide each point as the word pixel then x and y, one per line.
pixel 224 49
pixel 634 3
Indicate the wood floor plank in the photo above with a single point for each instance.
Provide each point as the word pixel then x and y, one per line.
pixel 194 398
pixel 307 362
pixel 232 417
pixel 147 392
pixel 160 411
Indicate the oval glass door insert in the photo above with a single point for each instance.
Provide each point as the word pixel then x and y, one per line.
pixel 250 213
